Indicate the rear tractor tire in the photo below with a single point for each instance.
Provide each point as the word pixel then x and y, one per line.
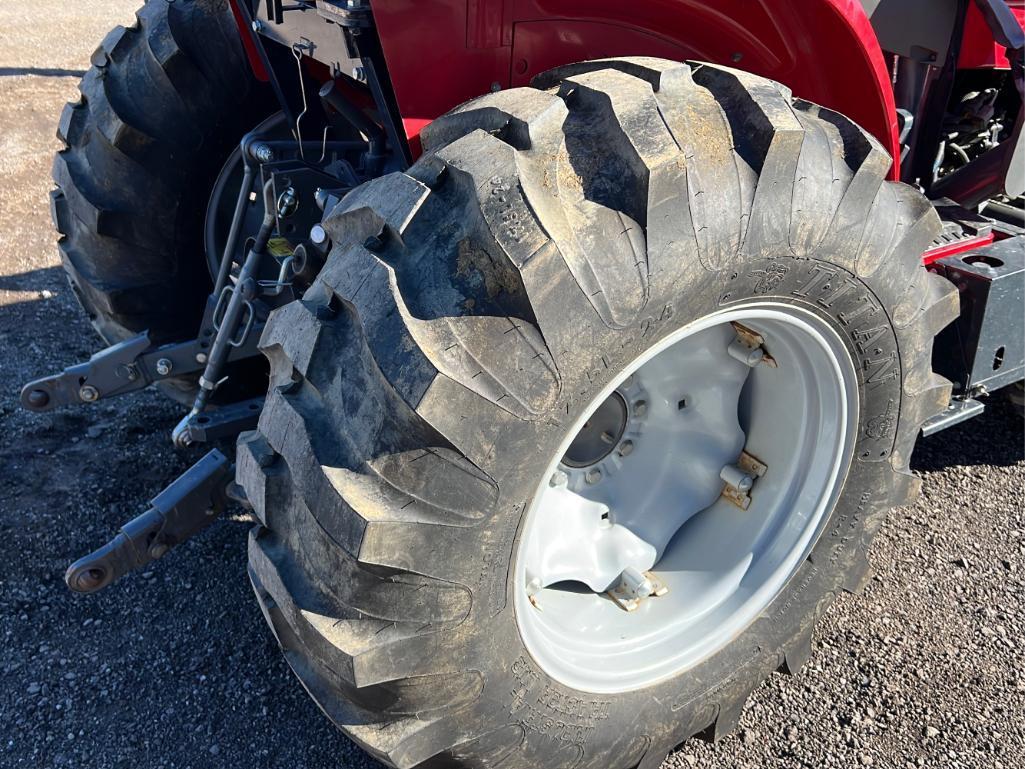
pixel 582 302
pixel 162 107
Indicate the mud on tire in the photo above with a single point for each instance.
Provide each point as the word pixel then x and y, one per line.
pixel 469 310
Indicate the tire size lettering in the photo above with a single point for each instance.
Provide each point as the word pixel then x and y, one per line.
pixel 549 711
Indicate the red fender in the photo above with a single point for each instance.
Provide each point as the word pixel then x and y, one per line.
pixel 440 53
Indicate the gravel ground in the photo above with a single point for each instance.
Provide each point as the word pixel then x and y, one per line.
pixel 174 667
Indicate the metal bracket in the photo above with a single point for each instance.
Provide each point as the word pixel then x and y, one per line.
pixel 633 587
pixel 222 422
pixel 123 368
pixel 739 479
pixel 749 347
pixel 188 505
pixel 957 411
pixel 347 13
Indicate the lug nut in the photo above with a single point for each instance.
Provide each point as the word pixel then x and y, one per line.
pixel 164 366
pixel 559 478
pixel 640 408
pixel 626 448
pixel 88 393
pixel 593 475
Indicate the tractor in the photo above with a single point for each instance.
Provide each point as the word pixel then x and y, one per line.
pixel 566 355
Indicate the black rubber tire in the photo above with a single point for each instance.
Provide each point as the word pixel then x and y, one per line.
pixel 473 305
pixel 162 106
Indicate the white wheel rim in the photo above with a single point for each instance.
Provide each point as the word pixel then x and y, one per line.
pixel 661 500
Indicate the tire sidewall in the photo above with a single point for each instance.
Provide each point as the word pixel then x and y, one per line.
pixel 558 720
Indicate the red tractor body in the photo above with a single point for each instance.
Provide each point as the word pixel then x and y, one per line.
pixel 512 303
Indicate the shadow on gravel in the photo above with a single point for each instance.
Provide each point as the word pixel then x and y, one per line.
pixel 33 280
pixel 41 72
pixel 996 437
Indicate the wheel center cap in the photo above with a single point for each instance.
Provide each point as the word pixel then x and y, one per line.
pixel 600 434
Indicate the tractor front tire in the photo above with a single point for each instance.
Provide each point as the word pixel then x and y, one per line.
pixel 471 309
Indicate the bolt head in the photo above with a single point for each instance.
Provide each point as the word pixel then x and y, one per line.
pixel 88 393
pixel 164 366
pixel 626 448
pixel 640 408
pixel 200 357
pixel 593 475
pixel 318 235
pixel 257 25
pixel 127 371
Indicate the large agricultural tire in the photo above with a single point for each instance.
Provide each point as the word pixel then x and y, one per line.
pixel 470 310
pixel 162 107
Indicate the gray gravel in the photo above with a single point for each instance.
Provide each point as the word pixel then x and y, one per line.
pixel 174 667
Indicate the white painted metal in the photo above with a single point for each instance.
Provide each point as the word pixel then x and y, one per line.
pixel 694 405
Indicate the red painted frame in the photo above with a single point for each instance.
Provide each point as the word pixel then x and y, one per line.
pixel 978 48
pixel 440 53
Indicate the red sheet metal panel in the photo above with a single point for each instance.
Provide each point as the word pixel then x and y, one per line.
pixel 443 52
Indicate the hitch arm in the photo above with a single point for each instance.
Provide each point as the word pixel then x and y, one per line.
pixel 123 368
pixel 191 503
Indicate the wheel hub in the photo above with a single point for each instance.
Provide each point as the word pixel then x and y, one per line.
pixel 599 435
pixel 654 505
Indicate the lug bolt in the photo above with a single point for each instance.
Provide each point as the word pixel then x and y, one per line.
pixel 127 371
pixel 559 478
pixel 593 475
pixel 164 366
pixel 88 393
pixel 626 448
pixel 640 408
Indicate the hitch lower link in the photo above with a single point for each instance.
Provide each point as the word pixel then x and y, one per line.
pixel 230 330
pixel 188 505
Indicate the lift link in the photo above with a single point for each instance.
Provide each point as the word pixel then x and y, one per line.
pixel 191 503
pixel 125 367
pixel 235 321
